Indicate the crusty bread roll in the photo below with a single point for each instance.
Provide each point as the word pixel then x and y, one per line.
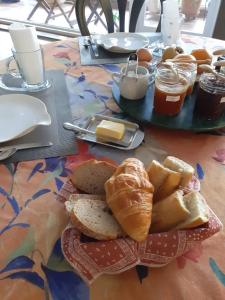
pixel 179 165
pixel 169 212
pixel 91 175
pixel 129 195
pixel 91 216
pixel 198 208
pixel 170 184
pixel 157 174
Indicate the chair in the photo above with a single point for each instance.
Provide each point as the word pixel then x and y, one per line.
pixel 49 6
pixel 107 11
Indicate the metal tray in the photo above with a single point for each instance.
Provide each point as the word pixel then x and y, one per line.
pixel 132 138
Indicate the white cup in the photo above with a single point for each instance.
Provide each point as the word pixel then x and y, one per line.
pixel 133 85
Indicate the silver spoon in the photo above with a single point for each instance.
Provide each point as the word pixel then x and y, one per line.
pixel 7 153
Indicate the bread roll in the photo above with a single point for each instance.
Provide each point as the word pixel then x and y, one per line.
pixel 169 212
pixel 157 174
pixel 179 165
pixel 170 184
pixel 90 215
pixel 129 195
pixel 91 175
pixel 198 208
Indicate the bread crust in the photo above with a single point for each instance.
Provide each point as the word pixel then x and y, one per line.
pixel 76 201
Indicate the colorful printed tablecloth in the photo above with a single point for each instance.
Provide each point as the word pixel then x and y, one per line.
pixel 32 219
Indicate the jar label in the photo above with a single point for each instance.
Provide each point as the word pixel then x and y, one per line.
pixel 222 100
pixel 172 98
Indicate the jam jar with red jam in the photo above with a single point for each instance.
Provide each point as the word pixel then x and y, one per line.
pixel 210 100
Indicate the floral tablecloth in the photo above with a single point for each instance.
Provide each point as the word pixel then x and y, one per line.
pixel 32 219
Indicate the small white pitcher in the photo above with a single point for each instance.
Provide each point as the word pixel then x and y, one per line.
pixel 133 85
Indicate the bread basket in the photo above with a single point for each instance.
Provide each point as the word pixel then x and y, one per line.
pixel 91 258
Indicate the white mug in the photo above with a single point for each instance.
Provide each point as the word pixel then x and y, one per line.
pixel 133 85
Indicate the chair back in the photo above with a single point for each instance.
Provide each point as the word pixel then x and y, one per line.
pixel 108 12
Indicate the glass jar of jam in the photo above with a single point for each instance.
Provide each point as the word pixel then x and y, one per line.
pixel 170 91
pixel 190 71
pixel 210 101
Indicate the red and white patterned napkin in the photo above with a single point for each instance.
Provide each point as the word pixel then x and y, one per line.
pixel 92 258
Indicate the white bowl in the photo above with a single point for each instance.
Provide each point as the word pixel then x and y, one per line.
pixel 20 114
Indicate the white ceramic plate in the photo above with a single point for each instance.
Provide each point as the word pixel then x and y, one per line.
pixel 20 114
pixel 122 42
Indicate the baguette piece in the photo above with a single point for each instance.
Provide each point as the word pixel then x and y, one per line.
pixel 91 175
pixel 129 195
pixel 178 165
pixel 170 184
pixel 91 216
pixel 196 204
pixel 157 174
pixel 169 212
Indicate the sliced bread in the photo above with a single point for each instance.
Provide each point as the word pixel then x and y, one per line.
pixel 169 212
pixel 179 165
pixel 91 175
pixel 198 208
pixel 91 216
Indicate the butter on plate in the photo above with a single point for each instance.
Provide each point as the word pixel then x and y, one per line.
pixel 109 129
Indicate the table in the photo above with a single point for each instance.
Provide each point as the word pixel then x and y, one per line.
pixel 31 219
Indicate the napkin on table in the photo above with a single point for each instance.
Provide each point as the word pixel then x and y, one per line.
pixel 24 38
pixel 27 53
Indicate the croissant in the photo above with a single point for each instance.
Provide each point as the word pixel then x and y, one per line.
pixel 129 195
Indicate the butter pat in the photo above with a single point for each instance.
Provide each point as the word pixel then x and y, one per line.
pixel 109 129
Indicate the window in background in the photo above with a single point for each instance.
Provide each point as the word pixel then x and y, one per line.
pixel 198 16
pixel 195 15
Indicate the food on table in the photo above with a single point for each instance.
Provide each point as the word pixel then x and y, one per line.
pixel 169 176
pixel 202 54
pixel 90 214
pixel 128 207
pixel 157 174
pixel 108 129
pixel 176 164
pixel 195 203
pixel 170 91
pixel 169 212
pixel 129 195
pixel 170 52
pixel 144 54
pixel 184 57
pixel 170 184
pixel 219 52
pixel 210 101
pixel 90 176
pixel 179 211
